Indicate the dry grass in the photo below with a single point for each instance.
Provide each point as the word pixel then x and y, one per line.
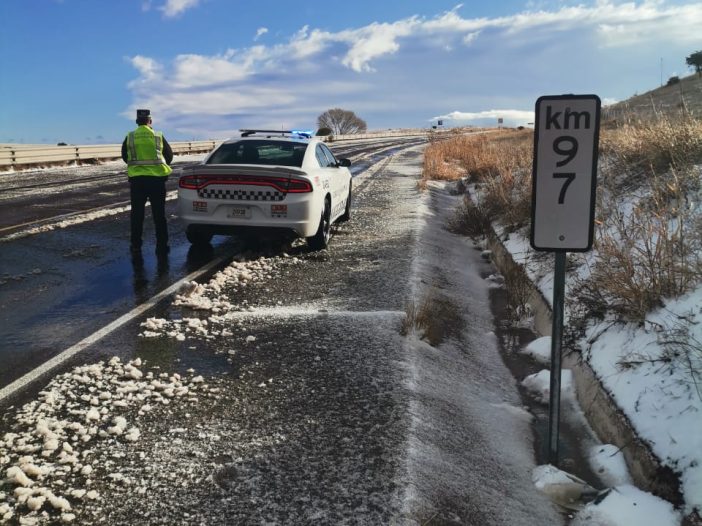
pixel 646 253
pixel 472 218
pixel 649 253
pixel 519 289
pixel 658 145
pixel 498 162
pixel 418 315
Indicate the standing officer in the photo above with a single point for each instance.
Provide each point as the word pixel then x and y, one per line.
pixel 148 156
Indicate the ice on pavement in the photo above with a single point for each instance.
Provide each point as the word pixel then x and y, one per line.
pixel 210 313
pixel 469 433
pixel 61 444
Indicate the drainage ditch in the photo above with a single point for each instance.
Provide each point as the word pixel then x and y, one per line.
pixel 575 436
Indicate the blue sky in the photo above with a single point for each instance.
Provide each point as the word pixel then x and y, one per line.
pixel 76 70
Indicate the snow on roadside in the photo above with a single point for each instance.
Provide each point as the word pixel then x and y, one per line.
pixel 627 505
pixel 609 463
pixel 538 385
pixel 211 313
pixel 468 427
pixel 659 395
pixel 539 350
pixel 60 448
pixel 623 505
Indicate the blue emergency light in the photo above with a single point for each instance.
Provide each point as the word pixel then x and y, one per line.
pixel 304 134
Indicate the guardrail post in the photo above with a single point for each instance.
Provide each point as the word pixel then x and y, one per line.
pixel 77 153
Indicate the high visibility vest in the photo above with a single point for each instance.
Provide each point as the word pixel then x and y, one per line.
pixel 145 153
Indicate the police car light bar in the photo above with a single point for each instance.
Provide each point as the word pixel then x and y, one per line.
pixel 306 134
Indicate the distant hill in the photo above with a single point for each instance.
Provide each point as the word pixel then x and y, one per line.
pixel 670 100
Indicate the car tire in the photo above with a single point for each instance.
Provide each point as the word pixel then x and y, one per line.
pixel 320 240
pixel 198 237
pixel 347 211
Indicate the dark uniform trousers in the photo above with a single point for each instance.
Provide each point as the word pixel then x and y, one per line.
pixel 153 189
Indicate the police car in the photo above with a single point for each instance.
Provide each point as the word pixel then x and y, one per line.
pixel 266 182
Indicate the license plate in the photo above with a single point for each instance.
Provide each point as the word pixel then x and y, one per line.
pixel 238 212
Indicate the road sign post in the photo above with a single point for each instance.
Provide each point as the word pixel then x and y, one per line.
pixel 564 180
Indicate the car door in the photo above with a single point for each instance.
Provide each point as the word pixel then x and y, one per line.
pixel 339 183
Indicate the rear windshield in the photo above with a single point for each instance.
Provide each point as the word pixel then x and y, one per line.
pixel 262 151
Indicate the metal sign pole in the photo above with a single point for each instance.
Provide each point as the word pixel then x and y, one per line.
pixel 554 406
pixel 563 207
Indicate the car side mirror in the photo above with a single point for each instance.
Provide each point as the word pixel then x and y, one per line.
pixel 344 162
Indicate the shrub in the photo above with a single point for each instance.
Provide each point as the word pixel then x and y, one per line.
pixel 472 219
pixel 647 254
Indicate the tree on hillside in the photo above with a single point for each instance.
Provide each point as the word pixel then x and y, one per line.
pixel 695 61
pixel 341 122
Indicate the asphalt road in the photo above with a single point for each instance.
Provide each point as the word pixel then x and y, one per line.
pixel 60 286
pixel 286 389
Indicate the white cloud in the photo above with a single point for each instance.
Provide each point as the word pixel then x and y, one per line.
pixel 304 43
pixel 374 41
pixel 616 24
pixel 470 37
pixel 148 67
pixel 196 70
pixel 174 8
pixel 260 32
pixel 508 60
pixel 521 116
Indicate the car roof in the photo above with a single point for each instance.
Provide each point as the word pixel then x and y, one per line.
pixel 276 138
pixel 278 135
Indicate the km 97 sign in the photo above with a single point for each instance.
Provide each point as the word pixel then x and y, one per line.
pixel 565 172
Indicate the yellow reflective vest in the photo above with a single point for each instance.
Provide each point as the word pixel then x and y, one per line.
pixel 145 153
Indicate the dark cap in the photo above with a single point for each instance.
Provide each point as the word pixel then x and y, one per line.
pixel 143 114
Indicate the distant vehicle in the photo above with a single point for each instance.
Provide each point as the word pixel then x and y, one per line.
pixel 266 182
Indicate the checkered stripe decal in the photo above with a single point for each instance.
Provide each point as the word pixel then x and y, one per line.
pixel 242 195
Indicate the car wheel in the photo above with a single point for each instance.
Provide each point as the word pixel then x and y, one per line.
pixel 320 240
pixel 347 212
pixel 198 237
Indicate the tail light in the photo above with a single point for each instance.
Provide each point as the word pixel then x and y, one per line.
pixel 282 184
pixel 192 182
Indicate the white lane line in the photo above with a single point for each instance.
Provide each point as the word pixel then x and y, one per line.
pixel 57 360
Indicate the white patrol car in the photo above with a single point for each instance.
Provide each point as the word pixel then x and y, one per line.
pixel 266 181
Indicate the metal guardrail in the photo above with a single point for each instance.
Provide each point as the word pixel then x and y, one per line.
pixel 19 155
pixel 380 135
pixel 14 156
